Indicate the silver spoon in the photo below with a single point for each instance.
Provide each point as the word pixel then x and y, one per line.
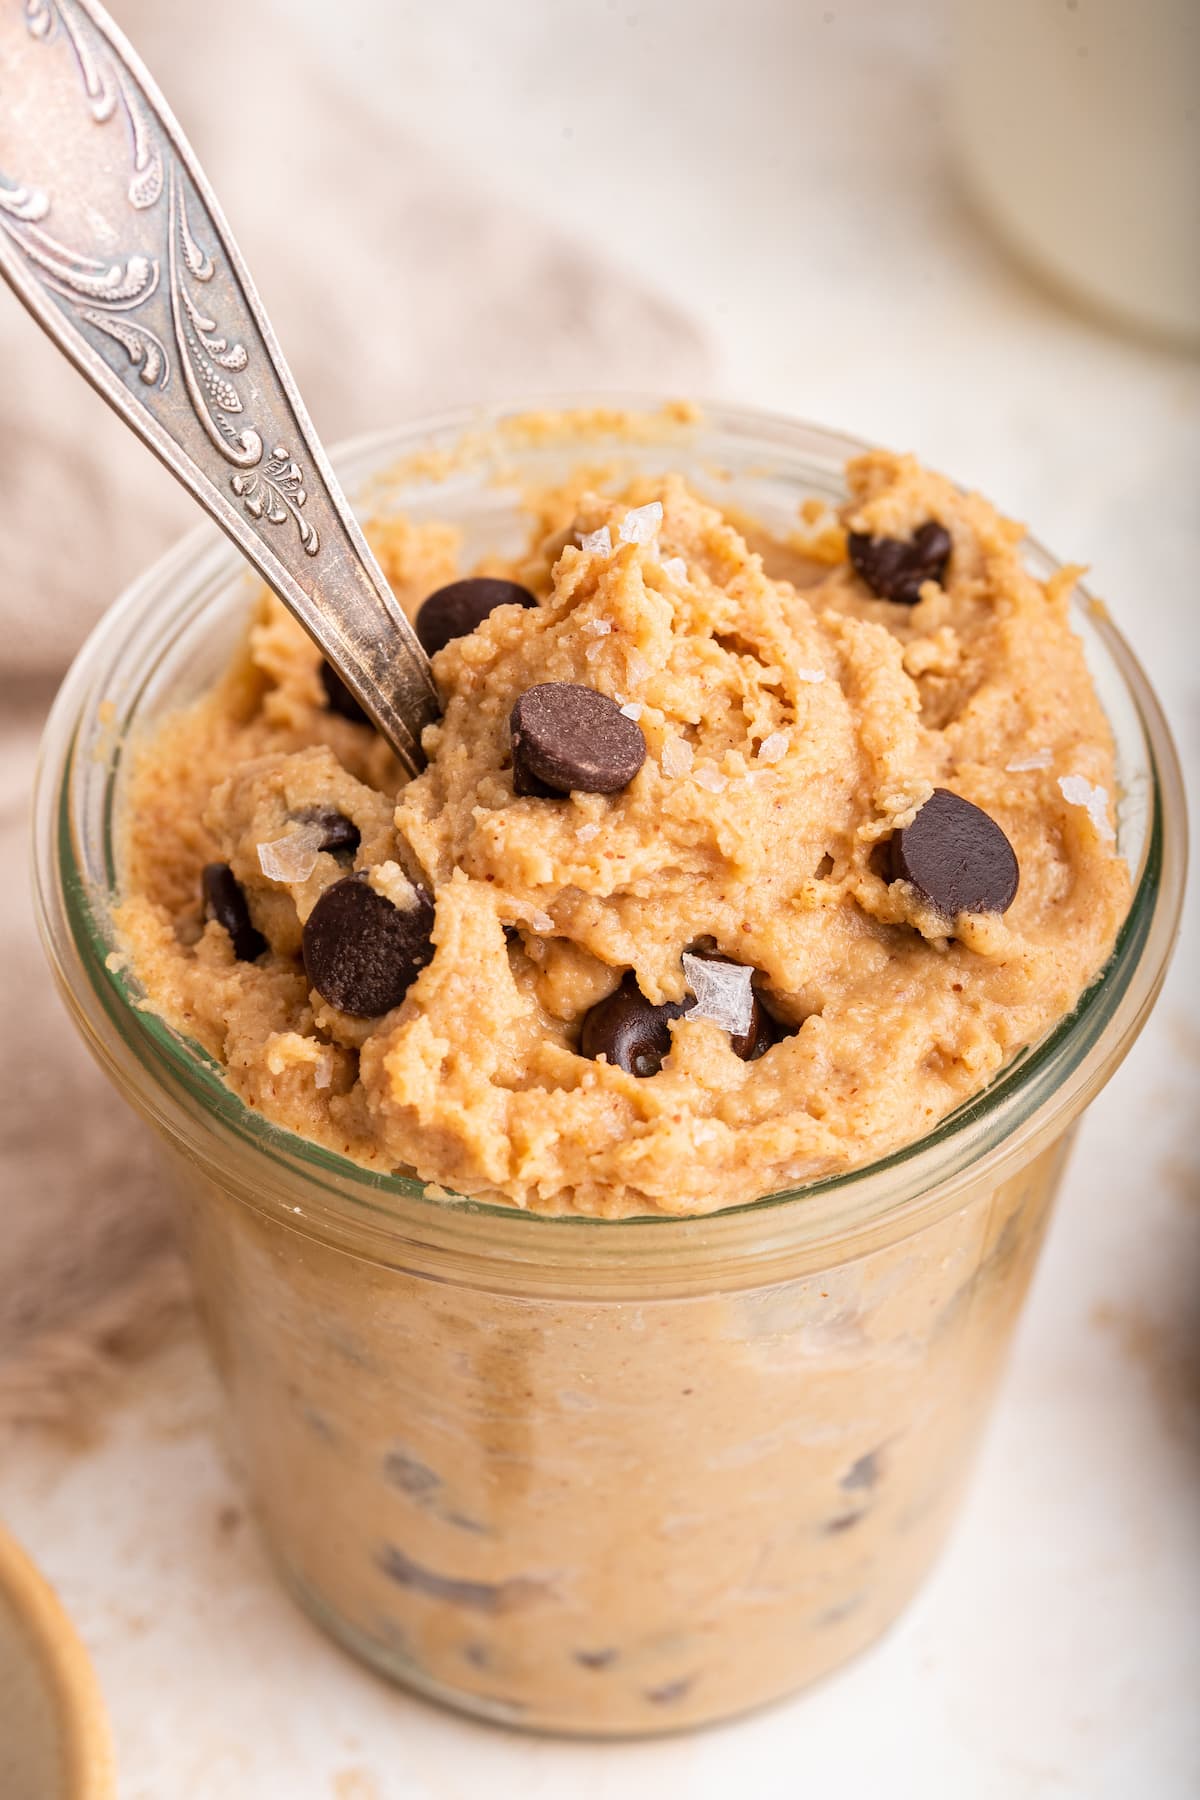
pixel 113 239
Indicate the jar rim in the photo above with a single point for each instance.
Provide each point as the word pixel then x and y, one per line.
pixel 1031 1099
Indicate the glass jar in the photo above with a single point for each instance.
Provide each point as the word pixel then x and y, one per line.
pixel 577 1474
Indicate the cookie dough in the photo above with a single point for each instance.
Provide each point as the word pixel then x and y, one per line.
pixel 796 721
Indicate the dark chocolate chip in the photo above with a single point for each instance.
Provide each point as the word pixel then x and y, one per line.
pixel 527 786
pixel 670 1691
pixel 338 697
pixel 341 833
pixel 574 740
pixel 632 1033
pixel 225 902
pixel 957 857
pixel 361 953
pixel 863 1474
pixel 894 568
pixel 512 1595
pixel 409 1475
pixel 455 610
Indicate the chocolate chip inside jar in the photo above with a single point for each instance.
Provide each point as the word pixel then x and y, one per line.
pixel 634 1033
pixel 225 902
pixel 570 739
pixel 629 1031
pixel 956 857
pixel 897 568
pixel 362 953
pixel 461 606
pixel 341 835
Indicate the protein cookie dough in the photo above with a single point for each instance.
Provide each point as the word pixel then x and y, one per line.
pixel 844 738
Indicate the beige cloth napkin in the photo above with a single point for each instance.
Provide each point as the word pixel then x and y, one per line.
pixel 396 286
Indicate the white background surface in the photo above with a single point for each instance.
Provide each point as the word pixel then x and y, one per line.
pixel 781 170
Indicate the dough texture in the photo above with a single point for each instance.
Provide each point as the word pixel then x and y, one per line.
pixel 793 722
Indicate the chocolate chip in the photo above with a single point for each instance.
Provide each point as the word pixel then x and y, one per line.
pixel 225 902
pixel 338 697
pixel 894 568
pixel 595 1659
pixel 510 1595
pixel 341 833
pixel 361 953
pixel 455 610
pixel 763 1032
pixel 956 856
pixel 574 740
pixel 629 1030
pixel 409 1475
pixel 670 1691
pixel 863 1474
pixel 843 1522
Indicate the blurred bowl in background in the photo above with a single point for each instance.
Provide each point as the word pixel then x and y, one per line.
pixel 54 1737
pixel 1078 131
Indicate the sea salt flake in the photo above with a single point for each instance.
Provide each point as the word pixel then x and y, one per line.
pixel 712 779
pixel 674 567
pixel 323 1070
pixel 1041 759
pixel 587 832
pixel 810 675
pixel 596 543
pixel 636 667
pixel 677 757
pixel 594 651
pixel 633 709
pixel 1077 790
pixel 723 993
pixel 294 857
pixel 640 525
pixel 598 627
pixel 541 922
pixel 774 747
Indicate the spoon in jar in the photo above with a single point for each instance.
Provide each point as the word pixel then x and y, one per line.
pixel 113 239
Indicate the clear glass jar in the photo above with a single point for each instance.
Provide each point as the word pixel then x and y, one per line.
pixel 586 1475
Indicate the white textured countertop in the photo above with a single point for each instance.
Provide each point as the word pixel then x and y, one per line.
pixel 780 170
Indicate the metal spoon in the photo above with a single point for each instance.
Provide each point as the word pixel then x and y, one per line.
pixel 113 239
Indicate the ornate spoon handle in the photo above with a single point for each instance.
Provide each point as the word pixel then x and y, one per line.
pixel 111 236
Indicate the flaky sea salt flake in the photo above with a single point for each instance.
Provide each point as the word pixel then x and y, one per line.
pixel 633 709
pixel 323 1070
pixel 1077 790
pixel 674 568
pixel 677 757
pixel 596 543
pixel 1041 759
pixel 809 675
pixel 712 779
pixel 640 525
pixel 588 831
pixel 541 923
pixel 598 627
pixel 774 747
pixel 723 993
pixel 294 857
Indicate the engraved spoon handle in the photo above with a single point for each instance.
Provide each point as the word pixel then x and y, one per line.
pixel 113 239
